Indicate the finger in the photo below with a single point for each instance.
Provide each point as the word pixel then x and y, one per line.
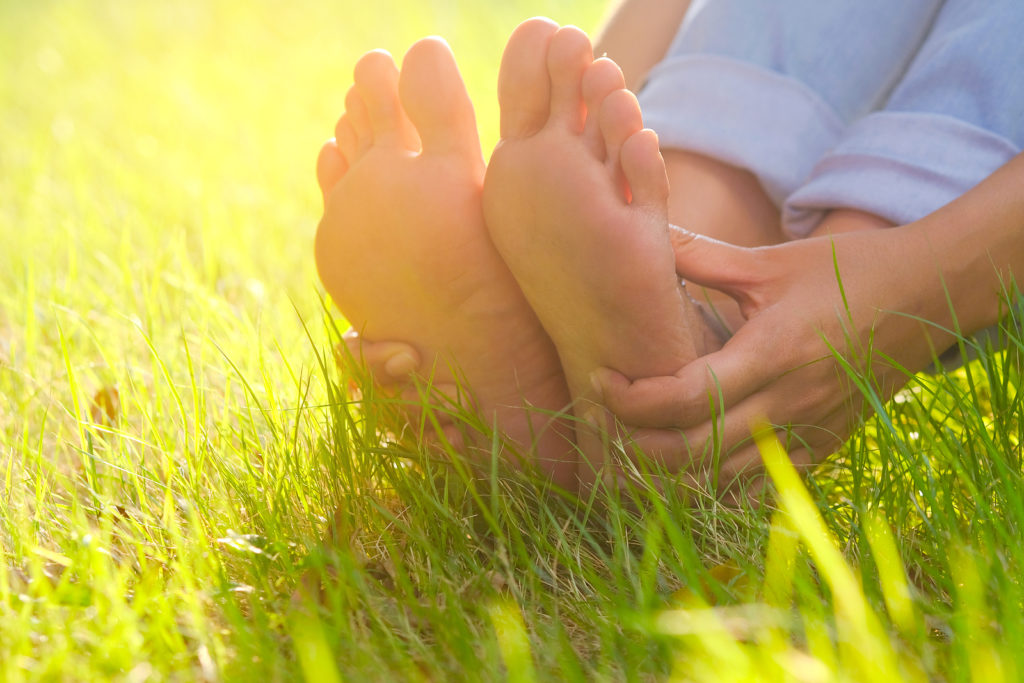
pixel 710 263
pixel 670 448
pixel 654 401
pixel 808 424
pixel 651 453
pixel 806 445
pixel 387 361
pixel 723 451
pixel 736 477
pixel 703 388
pixel 678 451
pixel 743 475
pixel 630 476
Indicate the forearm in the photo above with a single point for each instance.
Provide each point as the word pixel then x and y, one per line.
pixel 637 35
pixel 977 244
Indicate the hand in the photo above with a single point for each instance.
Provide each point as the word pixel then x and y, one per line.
pixel 797 360
pixel 394 369
pixel 391 365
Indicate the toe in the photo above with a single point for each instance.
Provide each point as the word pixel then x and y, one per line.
pixel 601 79
pixel 619 118
pixel 330 167
pixel 644 170
pixel 376 79
pixel 359 118
pixel 569 55
pixel 524 87
pixel 345 137
pixel 436 100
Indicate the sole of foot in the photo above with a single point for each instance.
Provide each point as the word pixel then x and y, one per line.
pixel 403 251
pixel 576 202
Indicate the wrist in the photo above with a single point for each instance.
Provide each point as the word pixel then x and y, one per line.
pixel 974 247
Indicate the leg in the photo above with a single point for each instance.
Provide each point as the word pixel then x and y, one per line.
pixel 403 250
pixel 575 201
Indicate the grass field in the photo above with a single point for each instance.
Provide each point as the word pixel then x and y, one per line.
pixel 173 443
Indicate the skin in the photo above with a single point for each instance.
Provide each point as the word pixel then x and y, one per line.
pixel 402 183
pixel 951 268
pixel 707 196
pixel 789 314
pixel 780 368
pixel 575 200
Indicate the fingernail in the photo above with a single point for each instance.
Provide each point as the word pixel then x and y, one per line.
pixel 593 418
pixel 595 382
pixel 400 365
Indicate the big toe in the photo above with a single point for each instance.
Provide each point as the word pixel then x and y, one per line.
pixel 376 80
pixel 436 100
pixel 524 87
pixel 569 55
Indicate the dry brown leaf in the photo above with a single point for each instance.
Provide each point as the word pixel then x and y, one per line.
pixel 106 405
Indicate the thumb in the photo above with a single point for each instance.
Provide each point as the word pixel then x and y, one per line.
pixel 711 263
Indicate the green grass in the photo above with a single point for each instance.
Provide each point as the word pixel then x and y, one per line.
pixel 173 441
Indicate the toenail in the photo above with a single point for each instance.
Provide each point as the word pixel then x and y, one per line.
pixel 400 365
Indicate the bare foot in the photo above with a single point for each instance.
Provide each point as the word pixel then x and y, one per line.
pixel 404 253
pixel 576 202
